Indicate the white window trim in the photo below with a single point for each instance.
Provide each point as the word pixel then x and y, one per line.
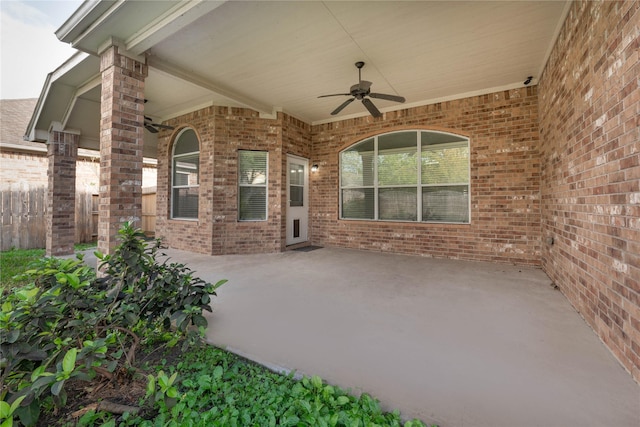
pixel 266 186
pixel 419 186
pixel 173 172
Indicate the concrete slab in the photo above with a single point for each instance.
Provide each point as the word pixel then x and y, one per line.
pixel 450 342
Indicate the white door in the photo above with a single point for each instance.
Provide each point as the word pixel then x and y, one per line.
pixel 297 200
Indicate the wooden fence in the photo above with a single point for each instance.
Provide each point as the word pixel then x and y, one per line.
pixel 24 217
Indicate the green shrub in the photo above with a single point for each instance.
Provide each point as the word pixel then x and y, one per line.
pixel 66 323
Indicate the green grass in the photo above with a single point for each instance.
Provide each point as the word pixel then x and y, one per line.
pixel 16 261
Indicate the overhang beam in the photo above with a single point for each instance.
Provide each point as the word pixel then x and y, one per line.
pixel 205 83
pixel 180 16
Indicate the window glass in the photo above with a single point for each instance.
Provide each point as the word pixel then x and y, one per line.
pixel 185 171
pixel 446 163
pixel 398 204
pixel 445 203
pixel 398 159
pixel 406 176
pixel 185 178
pixel 252 183
pixel 188 143
pixel 358 203
pixel 357 165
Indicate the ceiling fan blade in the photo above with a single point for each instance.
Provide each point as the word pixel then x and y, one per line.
pixel 341 107
pixel 372 108
pixel 163 126
pixel 150 128
pixel 335 94
pixel 387 97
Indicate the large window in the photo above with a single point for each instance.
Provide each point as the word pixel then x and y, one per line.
pixel 252 185
pixel 185 179
pixel 406 176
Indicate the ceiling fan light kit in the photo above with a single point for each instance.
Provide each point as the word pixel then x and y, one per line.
pixel 362 92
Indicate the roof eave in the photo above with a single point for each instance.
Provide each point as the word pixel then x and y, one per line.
pixel 32 133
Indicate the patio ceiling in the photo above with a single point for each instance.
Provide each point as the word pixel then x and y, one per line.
pixel 280 56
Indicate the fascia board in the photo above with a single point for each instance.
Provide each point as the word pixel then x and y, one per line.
pixel 31 133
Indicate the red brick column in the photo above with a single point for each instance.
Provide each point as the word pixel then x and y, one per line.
pixel 61 201
pixel 121 140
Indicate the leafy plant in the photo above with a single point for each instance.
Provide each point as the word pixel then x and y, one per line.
pixel 67 324
pixel 161 389
pixel 217 388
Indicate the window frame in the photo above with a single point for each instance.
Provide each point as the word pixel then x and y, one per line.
pixel 265 186
pixel 173 174
pixel 419 186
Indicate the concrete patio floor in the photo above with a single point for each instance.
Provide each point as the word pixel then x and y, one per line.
pixel 450 342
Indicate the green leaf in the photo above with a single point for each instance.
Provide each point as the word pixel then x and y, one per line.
pixel 16 403
pixel 74 280
pixel 151 385
pixel 57 387
pixel 7 423
pixel 342 400
pixel 199 320
pixel 316 381
pixel 13 336
pixel 69 361
pixel 218 371
pixel 5 409
pixel 173 378
pixel 29 414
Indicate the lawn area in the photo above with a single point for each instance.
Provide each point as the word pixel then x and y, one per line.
pixel 16 261
pixel 169 382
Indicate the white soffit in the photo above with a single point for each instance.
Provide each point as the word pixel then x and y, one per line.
pixel 286 54
pixel 280 56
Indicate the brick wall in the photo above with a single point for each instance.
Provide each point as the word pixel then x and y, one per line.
pixel 29 170
pixel 505 175
pixel 242 129
pixel 61 174
pixel 505 188
pixel 121 142
pixel 590 145
pixel 195 236
pixel 222 132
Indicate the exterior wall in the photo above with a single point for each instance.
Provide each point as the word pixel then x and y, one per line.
pixel 242 129
pixel 195 236
pixel 223 131
pixel 590 145
pixel 505 188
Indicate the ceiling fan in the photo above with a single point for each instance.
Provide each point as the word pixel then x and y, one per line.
pixel 154 127
pixel 362 92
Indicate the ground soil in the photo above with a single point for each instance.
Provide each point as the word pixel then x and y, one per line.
pixel 126 387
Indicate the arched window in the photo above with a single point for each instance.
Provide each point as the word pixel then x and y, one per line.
pixel 406 176
pixel 185 177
